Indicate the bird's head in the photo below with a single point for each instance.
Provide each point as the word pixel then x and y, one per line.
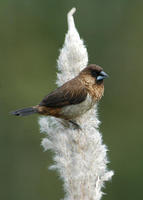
pixel 92 77
pixel 95 72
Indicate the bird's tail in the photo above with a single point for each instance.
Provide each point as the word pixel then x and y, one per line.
pixel 25 111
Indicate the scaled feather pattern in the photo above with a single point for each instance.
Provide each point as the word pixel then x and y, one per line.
pixel 80 157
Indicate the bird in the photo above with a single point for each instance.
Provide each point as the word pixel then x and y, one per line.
pixel 73 98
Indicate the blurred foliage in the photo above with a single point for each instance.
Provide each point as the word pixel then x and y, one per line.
pixel 31 33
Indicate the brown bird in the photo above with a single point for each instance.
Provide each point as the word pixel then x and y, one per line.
pixel 73 98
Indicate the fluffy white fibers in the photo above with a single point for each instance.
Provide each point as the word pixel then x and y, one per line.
pixel 79 155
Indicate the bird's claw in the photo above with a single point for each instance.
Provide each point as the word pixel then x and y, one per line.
pixel 76 126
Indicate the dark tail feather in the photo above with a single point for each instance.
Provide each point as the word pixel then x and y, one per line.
pixel 25 111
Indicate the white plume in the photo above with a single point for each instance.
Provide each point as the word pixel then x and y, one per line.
pixel 79 155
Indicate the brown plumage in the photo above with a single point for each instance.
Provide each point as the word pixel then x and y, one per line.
pixel 73 98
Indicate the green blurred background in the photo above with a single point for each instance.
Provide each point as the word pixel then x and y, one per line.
pixel 31 33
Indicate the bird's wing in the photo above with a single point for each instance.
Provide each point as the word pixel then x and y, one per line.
pixel 70 93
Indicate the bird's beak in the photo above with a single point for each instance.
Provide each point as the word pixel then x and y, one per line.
pixel 102 76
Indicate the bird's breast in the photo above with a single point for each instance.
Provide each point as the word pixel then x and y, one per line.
pixel 76 110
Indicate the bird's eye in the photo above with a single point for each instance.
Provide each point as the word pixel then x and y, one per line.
pixel 94 73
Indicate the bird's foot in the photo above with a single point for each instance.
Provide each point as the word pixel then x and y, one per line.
pixel 76 126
